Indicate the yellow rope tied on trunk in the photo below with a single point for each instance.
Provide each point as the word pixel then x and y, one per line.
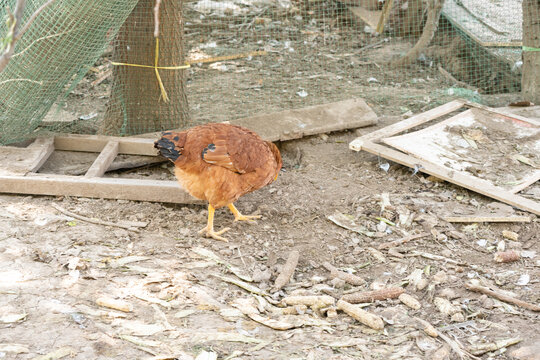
pixel 156 68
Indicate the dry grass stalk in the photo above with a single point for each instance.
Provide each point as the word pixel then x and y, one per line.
pixel 409 301
pixel 288 270
pixel 366 318
pixel 506 256
pixel 114 304
pixel 502 297
pixel 348 278
pixel 371 296
pixel 404 240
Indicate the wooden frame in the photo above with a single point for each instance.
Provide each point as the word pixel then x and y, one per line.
pixel 24 179
pixel 19 166
pixel 372 144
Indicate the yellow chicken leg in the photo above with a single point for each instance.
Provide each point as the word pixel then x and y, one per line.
pixel 209 228
pixel 239 217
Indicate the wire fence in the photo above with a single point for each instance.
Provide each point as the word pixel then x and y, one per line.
pixel 250 56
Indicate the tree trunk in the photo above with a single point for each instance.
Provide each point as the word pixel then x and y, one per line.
pixel 136 105
pixel 530 80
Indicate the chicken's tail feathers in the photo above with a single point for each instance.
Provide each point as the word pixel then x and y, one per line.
pixel 171 145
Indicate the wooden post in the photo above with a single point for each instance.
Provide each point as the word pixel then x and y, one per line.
pixel 530 80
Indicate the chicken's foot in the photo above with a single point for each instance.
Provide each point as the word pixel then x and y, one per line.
pixel 239 217
pixel 209 228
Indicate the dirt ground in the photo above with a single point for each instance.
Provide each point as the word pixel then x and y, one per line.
pixel 55 269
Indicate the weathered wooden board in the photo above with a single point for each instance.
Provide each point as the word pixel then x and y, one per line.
pixel 297 123
pixel 105 188
pixel 22 160
pixel 370 143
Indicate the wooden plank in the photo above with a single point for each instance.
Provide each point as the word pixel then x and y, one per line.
pixel 22 160
pixel 473 219
pixel 525 184
pixel 105 188
pixel 96 143
pixel 407 124
pixel 478 185
pixel 45 147
pixel 297 123
pixel 104 160
pixel 503 112
pixel 426 143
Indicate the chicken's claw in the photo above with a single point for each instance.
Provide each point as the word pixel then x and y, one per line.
pixel 210 233
pixel 239 217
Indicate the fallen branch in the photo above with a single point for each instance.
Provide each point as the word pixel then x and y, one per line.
pixel 402 241
pixel 502 297
pixel 92 220
pixel 432 22
pixel 348 278
pixel 371 296
pixel 357 313
pixel 287 271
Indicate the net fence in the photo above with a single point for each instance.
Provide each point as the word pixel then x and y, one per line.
pixel 101 66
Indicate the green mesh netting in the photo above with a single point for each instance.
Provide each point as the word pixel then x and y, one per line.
pixel 57 50
pixel 253 56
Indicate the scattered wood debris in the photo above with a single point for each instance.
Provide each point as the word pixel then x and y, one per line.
pixel 356 312
pixel 114 304
pixel 479 349
pixel 409 301
pixel 371 296
pixel 403 240
pixel 487 219
pixel 287 271
pixel 348 278
pixel 473 286
pixel 506 256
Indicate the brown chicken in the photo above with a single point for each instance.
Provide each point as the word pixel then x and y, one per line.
pixel 219 163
